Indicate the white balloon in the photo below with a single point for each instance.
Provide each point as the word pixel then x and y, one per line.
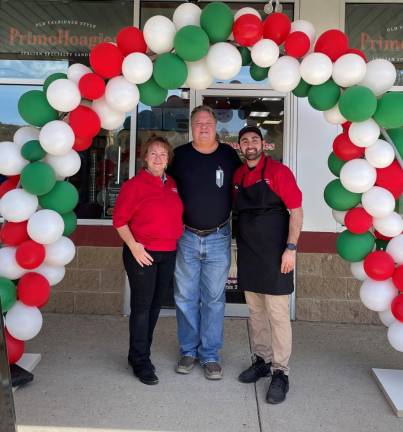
pixel 390 225
pixel 110 118
pixel 60 253
pixel 17 205
pixel 53 274
pixel 365 133
pixel 23 322
pixel 66 165
pixel 265 53
pixel 25 134
pixel 304 27
pixel 395 336
pixel 378 202
pixel 333 115
pixel 377 295
pixel 339 216
pixel 387 318
pixel 357 175
pixel 246 10
pixel 11 161
pixel 45 226
pixel 186 14
pixel 159 33
pixel 380 76
pixel 76 71
pixel 63 95
pixel 223 60
pixel 9 267
pixel 357 270
pixel 395 249
pixel 199 76
pixel 284 75
pixel 138 67
pixel 316 68
pixel 348 70
pixel 121 94
pixel 57 137
pixel 380 154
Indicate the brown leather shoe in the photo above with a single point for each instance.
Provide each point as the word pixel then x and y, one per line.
pixel 185 365
pixel 213 371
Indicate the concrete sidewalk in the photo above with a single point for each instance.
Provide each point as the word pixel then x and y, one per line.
pixel 83 382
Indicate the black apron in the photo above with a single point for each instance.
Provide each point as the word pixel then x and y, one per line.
pixel 263 222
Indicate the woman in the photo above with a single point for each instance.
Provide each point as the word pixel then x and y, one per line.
pixel 148 218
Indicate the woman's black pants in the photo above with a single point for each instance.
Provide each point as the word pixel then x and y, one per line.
pixel 148 286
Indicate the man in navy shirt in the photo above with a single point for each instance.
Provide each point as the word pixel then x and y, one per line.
pixel 203 171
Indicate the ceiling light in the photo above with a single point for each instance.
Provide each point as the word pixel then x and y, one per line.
pixel 259 113
pixel 272 121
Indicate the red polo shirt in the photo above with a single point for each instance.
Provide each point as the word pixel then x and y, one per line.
pixel 152 209
pixel 277 176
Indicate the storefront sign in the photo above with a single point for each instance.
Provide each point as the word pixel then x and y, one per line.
pixel 377 30
pixel 68 29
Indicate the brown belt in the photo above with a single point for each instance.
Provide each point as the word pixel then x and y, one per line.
pixel 203 233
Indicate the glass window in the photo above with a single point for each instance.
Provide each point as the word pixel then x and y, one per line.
pixel 31 69
pixel 377 30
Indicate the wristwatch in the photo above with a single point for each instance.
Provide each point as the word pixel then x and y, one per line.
pixel 291 246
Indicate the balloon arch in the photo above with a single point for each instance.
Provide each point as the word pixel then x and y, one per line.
pixel 194 48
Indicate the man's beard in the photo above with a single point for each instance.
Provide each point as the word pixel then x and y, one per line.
pixel 251 156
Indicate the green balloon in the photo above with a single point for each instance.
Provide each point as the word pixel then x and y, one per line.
pixel 335 164
pixel 38 178
pixel 302 89
pixel 389 113
pixel 246 55
pixel 51 78
pixel 151 93
pixel 32 151
pixel 397 137
pixel 70 223
pixel 191 43
pixel 357 103
pixel 170 71
pixel 339 198
pixel 354 247
pixel 34 108
pixel 62 198
pixel 258 73
pixel 324 96
pixel 217 20
pixel 8 293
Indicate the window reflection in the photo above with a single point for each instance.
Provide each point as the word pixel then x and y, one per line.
pixel 31 69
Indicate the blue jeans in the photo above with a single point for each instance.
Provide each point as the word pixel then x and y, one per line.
pixel 202 266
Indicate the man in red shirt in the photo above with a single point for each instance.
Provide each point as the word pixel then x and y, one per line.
pixel 267 202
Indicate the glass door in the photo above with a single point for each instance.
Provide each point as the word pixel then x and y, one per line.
pixel 271 112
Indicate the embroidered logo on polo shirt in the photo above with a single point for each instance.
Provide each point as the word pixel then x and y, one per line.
pixel 174 190
pixel 267 181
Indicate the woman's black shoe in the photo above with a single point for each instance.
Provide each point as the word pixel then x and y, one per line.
pixel 259 369
pixel 147 376
pixel 278 388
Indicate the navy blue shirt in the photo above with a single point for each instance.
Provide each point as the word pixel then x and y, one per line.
pixel 204 183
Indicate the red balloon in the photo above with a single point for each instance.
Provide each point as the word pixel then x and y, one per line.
pixel 333 43
pixel 30 254
pixel 84 121
pixel 33 289
pixel 344 149
pixel 380 236
pixel 391 178
pixel 106 60
pixel 276 27
pixel 130 40
pixel 397 307
pixel 297 44
pixel 346 126
pixel 398 278
pixel 358 52
pixel 9 184
pixel 357 220
pixel 379 265
pixel 15 348
pixel 91 86
pixel 14 233
pixel 82 143
pixel 247 30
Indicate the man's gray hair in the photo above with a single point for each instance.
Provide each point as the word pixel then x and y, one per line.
pixel 203 108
